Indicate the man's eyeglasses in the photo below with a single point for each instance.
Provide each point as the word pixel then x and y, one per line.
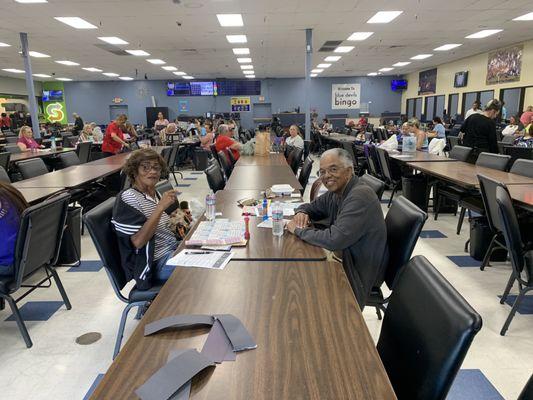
pixel 148 167
pixel 330 171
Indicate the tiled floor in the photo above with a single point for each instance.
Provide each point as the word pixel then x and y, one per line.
pixel 56 367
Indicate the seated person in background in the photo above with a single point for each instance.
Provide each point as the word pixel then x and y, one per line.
pixel 114 141
pixel 402 132
pixel 224 141
pixel 26 141
pixel 512 128
pixel 438 129
pixel 97 132
pixel 362 123
pixel 356 223
pixel 141 223
pixel 527 139
pixel 129 132
pixel 12 204
pixel 86 135
pixel 207 135
pixel 170 129
pixel 294 139
pixel 161 122
pixel 527 116
pixel 476 109
pixel 326 126
pixel 421 136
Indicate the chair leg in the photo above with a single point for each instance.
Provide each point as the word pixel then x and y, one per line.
pixel 122 325
pixel 378 312
pixel 20 321
pixel 2 303
pixel 486 259
pixel 513 311
pixel 461 219
pixel 508 288
pixel 436 209
pixel 392 195
pixel 61 288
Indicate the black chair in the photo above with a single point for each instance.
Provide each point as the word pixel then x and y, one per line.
pixel 516 152
pixel 215 178
pixel 404 222
pixel 295 158
pixel 305 173
pixel 520 167
pixel 453 141
pixel 68 159
pixel 521 257
pixel 84 151
pixel 4 177
pixel 426 333
pixel 4 160
pixel 376 184
pixel 214 151
pixel 172 158
pixel 231 158
pixel 37 247
pixel 508 139
pixel 12 148
pixel 12 139
pixel 527 392
pixel 460 153
pixel 393 180
pixel 225 163
pixel 32 168
pixel 98 222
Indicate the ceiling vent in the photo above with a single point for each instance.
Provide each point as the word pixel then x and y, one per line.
pixel 112 49
pixel 330 45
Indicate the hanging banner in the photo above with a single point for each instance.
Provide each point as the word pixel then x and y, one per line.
pixel 240 104
pixel 345 96
pixel 54 106
pixel 183 106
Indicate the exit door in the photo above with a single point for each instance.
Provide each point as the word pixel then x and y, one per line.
pixel 116 110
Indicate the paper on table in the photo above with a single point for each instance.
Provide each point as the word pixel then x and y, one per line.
pixel 288 208
pixel 217 346
pixel 217 248
pixel 268 223
pixel 239 337
pixel 217 232
pixel 283 188
pixel 178 321
pixel 198 258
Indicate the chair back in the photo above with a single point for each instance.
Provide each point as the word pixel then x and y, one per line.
pixel 376 184
pixel 527 391
pixel 453 141
pixel 98 223
pixel 305 173
pixel 215 179
pixel 426 333
pixel 172 156
pixel 4 177
pixel 32 168
pixel 84 151
pixel 69 159
pixel 508 139
pixel 231 158
pixel 165 153
pixel 511 231
pixel 225 163
pixel 487 187
pixel 315 189
pixel 383 157
pixel 4 160
pixel 516 152
pixel 520 167
pixel 287 151
pixel 460 153
pixel 39 236
pixel 12 148
pixel 373 155
pixel 494 161
pixel 348 146
pixel 214 151
pixel 294 159
pixel 12 139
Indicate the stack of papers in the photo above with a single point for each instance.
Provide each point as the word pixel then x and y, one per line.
pixel 201 259
pixel 282 189
pixel 217 233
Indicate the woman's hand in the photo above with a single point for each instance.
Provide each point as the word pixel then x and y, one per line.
pixel 167 199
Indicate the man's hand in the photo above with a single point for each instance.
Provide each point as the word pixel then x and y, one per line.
pixel 301 220
pixel 291 226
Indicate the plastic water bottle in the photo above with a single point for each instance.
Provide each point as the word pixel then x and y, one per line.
pixel 53 143
pixel 277 219
pixel 210 206
pixel 265 209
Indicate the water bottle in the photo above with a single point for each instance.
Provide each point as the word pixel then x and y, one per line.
pixel 210 206
pixel 53 143
pixel 265 209
pixel 277 219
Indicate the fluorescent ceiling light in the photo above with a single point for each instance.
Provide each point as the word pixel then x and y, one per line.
pixel 250 76
pixel 248 72
pixel 69 63
pixel 446 47
pixel 244 60
pixel 92 69
pixel 401 64
pixel 14 70
pixel 421 56
pixel 332 58
pixel 230 19
pixel 241 51
pixel 343 49
pixel 313 75
pixel 360 35
pixel 236 38
pixel 317 70
pixel 111 74
pixel 372 74
pixel 169 68
pixel 383 17
pixel 31 1
pixel 386 69
pixel 156 61
pixel 525 17
pixel 112 40
pixel 63 79
pixel 36 54
pixel 76 22
pixel 188 77
pixel 247 67
pixel 138 53
pixel 2 44
pixel 323 65
pixel 42 76
pixel 180 73
pixel 125 78
pixel 483 34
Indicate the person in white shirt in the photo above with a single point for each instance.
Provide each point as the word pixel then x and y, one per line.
pixel 98 136
pixel 476 109
pixel 512 128
pixel 294 140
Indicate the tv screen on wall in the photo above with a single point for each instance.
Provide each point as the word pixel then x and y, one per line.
pixel 398 84
pixel 461 79
pixel 52 95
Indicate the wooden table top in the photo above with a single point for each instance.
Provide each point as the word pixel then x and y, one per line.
pixel 312 340
pixel 522 195
pixel 263 245
pixel 259 177
pixel 270 160
pixel 36 195
pixel 339 137
pixel 26 155
pixel 465 174
pixel 419 156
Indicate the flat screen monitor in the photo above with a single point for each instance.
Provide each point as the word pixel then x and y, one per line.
pixel 178 89
pixel 52 95
pixel 234 87
pixel 203 88
pixel 398 84
pixel 461 79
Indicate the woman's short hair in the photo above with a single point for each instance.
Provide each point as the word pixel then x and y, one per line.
pixel 414 122
pixel 494 105
pixel 296 127
pixel 437 120
pixel 23 129
pixel 131 168
pixel 172 127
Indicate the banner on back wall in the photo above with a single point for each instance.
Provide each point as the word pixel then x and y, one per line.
pixel 183 106
pixel 240 104
pixel 345 96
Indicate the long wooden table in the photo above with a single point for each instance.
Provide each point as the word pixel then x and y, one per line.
pixel 522 195
pixel 271 160
pixel 261 177
pixel 36 195
pixel 419 156
pixel 26 155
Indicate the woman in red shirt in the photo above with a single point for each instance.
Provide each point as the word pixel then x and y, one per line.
pixel 224 141
pixel 26 141
pixel 114 137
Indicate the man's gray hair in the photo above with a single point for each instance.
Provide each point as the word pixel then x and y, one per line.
pixel 223 128
pixel 341 154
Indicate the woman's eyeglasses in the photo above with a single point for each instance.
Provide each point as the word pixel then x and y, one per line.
pixel 146 167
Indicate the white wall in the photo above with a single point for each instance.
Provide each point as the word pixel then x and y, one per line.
pixel 477 72
pixel 17 86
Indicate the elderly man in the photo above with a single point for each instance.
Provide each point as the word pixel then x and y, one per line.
pixel 78 124
pixel 224 141
pixel 356 223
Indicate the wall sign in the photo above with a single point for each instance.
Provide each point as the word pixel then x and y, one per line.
pixel 117 100
pixel 345 96
pixel 54 112
pixel 240 104
pixel 183 106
